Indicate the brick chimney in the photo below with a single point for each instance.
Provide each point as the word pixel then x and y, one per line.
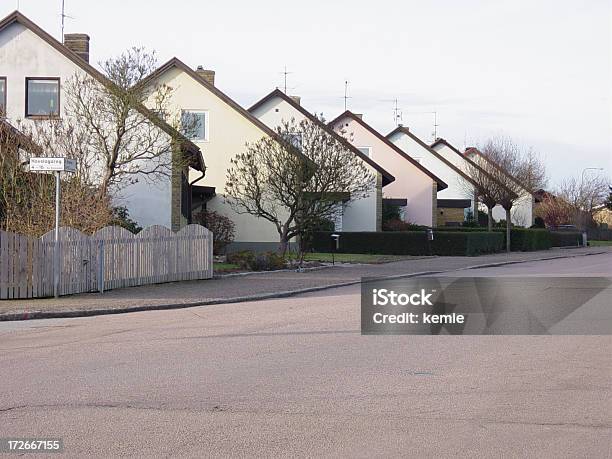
pixel 78 43
pixel 208 75
pixel 296 99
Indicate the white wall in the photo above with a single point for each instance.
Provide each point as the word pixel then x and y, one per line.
pixel 360 214
pixel 24 54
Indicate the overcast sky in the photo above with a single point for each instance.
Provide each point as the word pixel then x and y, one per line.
pixel 536 70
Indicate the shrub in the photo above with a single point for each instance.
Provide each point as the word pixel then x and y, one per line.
pixel 412 243
pixel 538 223
pixel 222 227
pixel 267 261
pixel 399 225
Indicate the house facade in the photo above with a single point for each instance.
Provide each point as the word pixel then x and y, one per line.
pixel 522 213
pixel 457 199
pixel 34 71
pixel 363 214
pixel 224 130
pixel 415 187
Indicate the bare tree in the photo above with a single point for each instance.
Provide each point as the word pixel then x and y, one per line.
pixel 271 180
pixel 516 173
pixel 124 143
pixel 579 198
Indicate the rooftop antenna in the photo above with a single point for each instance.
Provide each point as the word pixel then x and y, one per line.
pixel 64 16
pixel 397 114
pixel 435 126
pixel 285 73
pixel 346 96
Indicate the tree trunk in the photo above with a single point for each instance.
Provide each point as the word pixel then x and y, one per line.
pixel 508 225
pixel 490 218
pixel 283 245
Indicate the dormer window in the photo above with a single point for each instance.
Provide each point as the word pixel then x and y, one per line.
pixel 42 97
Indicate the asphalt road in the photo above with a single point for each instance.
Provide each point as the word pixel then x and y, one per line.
pixel 294 377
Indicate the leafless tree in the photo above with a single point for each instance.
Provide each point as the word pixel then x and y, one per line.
pixel 124 145
pixel 293 191
pixel 514 173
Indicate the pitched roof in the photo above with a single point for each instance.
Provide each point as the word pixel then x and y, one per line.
pixel 17 17
pixel 476 152
pixel 441 141
pixel 441 184
pixel 387 177
pixel 406 131
pixel 175 62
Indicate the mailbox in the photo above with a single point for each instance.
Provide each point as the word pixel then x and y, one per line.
pixel 335 242
pixel 430 234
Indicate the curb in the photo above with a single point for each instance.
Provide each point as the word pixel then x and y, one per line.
pixel 19 316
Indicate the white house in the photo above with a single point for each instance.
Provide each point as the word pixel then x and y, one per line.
pixel 453 202
pixel 363 214
pixel 34 69
pixel 225 128
pixel 415 187
pixel 523 211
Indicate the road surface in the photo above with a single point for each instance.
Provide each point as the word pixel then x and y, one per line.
pixel 294 377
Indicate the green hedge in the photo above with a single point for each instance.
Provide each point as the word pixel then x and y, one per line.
pixel 521 239
pixel 565 238
pixel 411 243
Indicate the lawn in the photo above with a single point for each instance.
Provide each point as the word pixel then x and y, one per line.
pixel 600 243
pixel 354 257
pixel 225 267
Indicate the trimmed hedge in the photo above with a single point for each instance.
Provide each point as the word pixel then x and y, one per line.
pixel 411 243
pixel 565 238
pixel 521 239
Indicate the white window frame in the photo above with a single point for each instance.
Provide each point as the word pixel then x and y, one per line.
pixel 206 124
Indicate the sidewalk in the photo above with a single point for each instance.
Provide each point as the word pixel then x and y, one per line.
pixel 255 286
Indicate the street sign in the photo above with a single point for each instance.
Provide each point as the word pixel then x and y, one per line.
pixel 52 165
pixel 57 165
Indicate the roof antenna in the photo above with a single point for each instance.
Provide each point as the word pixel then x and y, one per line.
pixel 346 96
pixel 64 16
pixel 285 73
pixel 397 114
pixel 435 126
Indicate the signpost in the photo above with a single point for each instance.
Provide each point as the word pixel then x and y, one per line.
pixel 57 165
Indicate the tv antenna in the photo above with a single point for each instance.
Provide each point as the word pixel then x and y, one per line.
pixel 435 122
pixel 346 96
pixel 285 73
pixel 64 16
pixel 397 111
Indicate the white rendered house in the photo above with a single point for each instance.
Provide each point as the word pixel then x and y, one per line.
pixel 522 212
pixel 225 128
pixel 34 69
pixel 363 214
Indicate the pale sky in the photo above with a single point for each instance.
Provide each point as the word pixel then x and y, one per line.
pixel 538 71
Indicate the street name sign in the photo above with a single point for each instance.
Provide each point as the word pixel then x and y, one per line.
pixel 52 165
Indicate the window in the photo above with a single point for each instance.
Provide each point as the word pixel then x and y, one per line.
pixel 42 97
pixel 295 139
pixel 2 96
pixel 366 151
pixel 194 124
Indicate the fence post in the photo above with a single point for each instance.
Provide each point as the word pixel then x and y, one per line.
pixel 101 266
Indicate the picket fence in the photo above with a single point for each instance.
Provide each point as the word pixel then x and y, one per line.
pixel 111 258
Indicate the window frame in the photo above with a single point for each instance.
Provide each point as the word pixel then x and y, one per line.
pixel 3 101
pixel 206 124
pixel 59 98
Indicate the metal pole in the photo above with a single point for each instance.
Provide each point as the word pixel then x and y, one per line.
pixel 56 253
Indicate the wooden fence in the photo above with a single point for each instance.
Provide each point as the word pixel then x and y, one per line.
pixel 111 258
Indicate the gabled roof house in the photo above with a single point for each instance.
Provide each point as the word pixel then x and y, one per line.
pixel 458 198
pixel 359 215
pixel 35 68
pixel 415 187
pixel 224 129
pixel 523 210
